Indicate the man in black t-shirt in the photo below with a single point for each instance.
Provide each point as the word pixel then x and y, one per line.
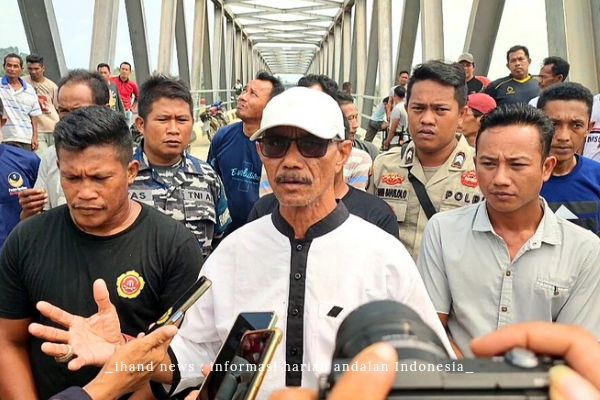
pixel 146 258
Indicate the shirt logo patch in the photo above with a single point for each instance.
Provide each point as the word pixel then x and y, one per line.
pixel 392 179
pixel 15 179
pixel 469 179
pixel 130 285
pixel 459 160
pixel 510 90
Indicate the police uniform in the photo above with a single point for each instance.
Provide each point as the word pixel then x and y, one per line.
pixel 194 195
pixel 453 185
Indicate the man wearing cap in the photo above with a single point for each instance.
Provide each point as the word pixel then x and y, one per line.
pixel 478 104
pixel 301 261
pixel 474 85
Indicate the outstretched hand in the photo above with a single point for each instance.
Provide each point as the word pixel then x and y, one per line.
pixel 93 339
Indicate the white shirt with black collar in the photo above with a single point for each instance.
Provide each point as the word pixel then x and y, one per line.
pixel 262 267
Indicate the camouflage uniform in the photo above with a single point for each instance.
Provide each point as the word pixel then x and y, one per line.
pixel 197 197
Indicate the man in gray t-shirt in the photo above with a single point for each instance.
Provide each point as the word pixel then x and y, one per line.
pixel 397 134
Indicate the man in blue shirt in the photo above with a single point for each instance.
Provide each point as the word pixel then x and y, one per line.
pixel 18 171
pixel 377 122
pixel 234 157
pixel 573 190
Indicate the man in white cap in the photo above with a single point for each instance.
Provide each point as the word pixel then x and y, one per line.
pixel 301 261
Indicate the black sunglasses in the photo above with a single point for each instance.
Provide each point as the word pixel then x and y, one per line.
pixel 308 146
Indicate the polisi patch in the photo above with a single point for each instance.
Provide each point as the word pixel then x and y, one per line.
pixel 467 198
pixel 392 179
pixel 130 285
pixel 469 179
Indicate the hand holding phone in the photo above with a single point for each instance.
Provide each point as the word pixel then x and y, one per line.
pixel 238 375
pixel 176 312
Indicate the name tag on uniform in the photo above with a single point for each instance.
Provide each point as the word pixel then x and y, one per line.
pixel 143 196
pixel 198 195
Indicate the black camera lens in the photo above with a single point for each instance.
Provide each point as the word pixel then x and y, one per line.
pixel 392 322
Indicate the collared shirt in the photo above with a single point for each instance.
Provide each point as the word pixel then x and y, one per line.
pixel 49 179
pixel 509 90
pixel 194 196
pixel 453 185
pixel 19 106
pixel 469 275
pixel 126 89
pixel 262 267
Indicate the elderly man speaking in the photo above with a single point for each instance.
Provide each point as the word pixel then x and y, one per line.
pixel 301 261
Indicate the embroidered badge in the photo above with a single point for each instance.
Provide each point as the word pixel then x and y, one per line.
pixel 130 284
pixel 392 179
pixel 409 156
pixel 510 90
pixel 459 160
pixel 469 179
pixel 15 179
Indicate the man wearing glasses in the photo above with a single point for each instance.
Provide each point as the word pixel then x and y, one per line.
pixel 300 261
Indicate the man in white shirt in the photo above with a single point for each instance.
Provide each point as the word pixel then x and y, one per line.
pixel 300 261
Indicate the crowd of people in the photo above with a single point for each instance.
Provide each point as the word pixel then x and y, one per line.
pixel 480 211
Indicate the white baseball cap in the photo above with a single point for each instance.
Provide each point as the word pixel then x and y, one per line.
pixel 308 109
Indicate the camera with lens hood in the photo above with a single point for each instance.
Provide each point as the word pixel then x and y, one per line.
pixel 424 369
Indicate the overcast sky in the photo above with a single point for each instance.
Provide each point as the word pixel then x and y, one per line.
pixel 524 22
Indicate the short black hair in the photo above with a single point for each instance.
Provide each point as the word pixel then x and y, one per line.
pixel 519 114
pixel 346 85
pixel 560 66
pixel 568 91
pixel 328 85
pixel 103 65
pixel 93 80
pixel 516 48
pixel 400 91
pixel 34 59
pixel 278 87
pixel 343 98
pixel 13 55
pixel 94 126
pixel 161 86
pixel 386 99
pixel 444 73
pixel 404 72
pixel 126 63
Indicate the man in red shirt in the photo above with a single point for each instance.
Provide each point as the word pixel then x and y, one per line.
pixel 127 88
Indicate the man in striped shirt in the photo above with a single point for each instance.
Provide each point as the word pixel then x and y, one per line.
pixel 21 106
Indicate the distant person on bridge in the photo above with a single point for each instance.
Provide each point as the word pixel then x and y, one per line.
pixel 128 90
pixel 519 86
pixel 474 84
pixel 115 102
pixel 21 106
pixel 47 93
pixel 234 157
pixel 554 70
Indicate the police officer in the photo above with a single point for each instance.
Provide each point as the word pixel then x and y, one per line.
pixel 434 172
pixel 169 178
